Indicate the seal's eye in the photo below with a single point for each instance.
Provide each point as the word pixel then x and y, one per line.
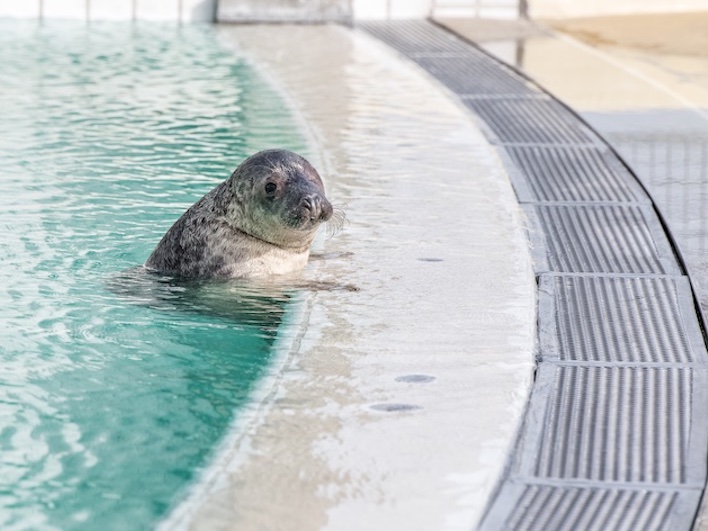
pixel 270 188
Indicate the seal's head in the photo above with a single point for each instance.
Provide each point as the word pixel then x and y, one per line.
pixel 278 197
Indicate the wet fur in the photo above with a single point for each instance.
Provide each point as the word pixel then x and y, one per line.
pixel 239 231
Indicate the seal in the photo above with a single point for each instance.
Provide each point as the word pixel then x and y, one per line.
pixel 260 222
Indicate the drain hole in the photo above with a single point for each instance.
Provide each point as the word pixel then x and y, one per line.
pixel 389 408
pixel 415 378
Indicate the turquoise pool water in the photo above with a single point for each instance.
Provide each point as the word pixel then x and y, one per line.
pixel 110 403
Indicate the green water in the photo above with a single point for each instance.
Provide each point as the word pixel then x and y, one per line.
pixel 110 404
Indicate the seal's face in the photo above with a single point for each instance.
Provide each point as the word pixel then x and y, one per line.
pixel 287 198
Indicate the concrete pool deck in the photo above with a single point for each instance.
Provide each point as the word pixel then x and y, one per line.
pixel 383 415
pixel 396 405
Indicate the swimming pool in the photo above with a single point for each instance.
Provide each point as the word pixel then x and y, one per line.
pixel 141 404
pixel 111 403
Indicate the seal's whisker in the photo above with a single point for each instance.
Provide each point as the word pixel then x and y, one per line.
pixel 336 222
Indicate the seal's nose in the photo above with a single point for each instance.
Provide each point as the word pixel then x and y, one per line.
pixel 317 207
pixel 308 203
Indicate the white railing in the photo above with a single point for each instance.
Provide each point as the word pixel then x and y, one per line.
pixel 89 10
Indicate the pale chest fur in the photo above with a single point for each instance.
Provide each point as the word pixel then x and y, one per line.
pixel 275 261
pixel 214 249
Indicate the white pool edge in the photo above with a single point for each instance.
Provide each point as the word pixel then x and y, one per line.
pixel 234 449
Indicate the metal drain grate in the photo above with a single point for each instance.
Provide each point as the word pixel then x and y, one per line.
pixel 616 424
pixel 542 508
pixel 535 121
pixel 617 319
pixel 412 37
pixel 571 173
pixel 616 429
pixel 475 75
pixel 603 239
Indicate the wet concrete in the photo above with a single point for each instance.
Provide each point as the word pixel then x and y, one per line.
pixel 394 406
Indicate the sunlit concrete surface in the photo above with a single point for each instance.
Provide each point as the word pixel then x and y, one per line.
pixel 395 405
pixel 680 35
pixel 563 9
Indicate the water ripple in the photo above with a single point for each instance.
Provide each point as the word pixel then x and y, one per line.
pixel 109 402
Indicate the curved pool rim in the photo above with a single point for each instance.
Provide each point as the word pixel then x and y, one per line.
pixel 615 435
pixel 477 351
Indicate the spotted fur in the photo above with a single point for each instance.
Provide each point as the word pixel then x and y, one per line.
pixel 259 222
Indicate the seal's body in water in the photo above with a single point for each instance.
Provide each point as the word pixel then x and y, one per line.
pixel 259 222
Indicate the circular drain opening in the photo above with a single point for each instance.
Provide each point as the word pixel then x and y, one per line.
pixel 391 408
pixel 415 378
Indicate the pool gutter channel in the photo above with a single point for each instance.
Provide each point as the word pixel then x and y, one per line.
pixel 615 432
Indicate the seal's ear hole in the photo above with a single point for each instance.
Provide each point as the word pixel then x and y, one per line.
pixel 270 188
